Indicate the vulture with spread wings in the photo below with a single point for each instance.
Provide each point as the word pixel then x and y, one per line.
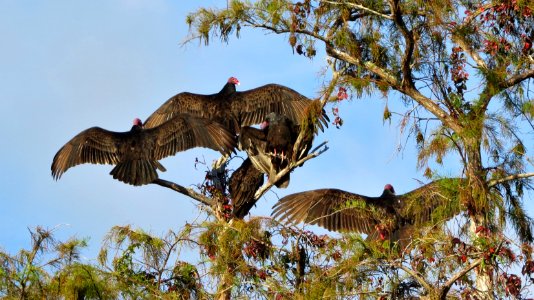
pixel 135 153
pixel 235 109
pixel 388 216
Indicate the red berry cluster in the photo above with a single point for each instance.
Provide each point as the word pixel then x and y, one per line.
pixel 316 240
pixel 341 95
pixel 458 73
pixel 461 249
pixel 507 21
pixel 512 284
pixel 482 231
pixel 256 249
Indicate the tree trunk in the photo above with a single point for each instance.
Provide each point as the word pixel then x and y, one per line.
pixel 476 200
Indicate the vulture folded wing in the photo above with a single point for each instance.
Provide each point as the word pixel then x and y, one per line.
pixel 254 142
pixel 198 105
pixel 333 209
pixel 94 145
pixel 435 201
pixel 184 132
pixel 253 106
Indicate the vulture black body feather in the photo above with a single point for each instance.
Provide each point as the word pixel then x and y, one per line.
pixel 244 183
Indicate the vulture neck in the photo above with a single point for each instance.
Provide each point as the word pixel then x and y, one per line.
pixel 228 89
pixel 136 128
pixel 387 194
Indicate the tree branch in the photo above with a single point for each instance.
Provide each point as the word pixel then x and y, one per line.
pixel 508 178
pixel 407 79
pixel 283 30
pixel 338 54
pixel 445 289
pixel 433 108
pixel 290 168
pixel 458 39
pixel 182 190
pixel 415 275
pixel 517 79
pixel 510 82
pixel 474 55
pixel 359 6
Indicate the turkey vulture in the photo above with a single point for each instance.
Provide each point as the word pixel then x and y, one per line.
pixel 244 183
pixel 136 152
pixel 235 109
pixel 388 216
pixel 271 147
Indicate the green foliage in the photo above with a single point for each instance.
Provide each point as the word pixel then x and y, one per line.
pixel 450 61
pixel 51 269
pixel 258 258
pixel 462 69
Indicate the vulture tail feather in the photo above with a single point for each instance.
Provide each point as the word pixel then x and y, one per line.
pixel 136 172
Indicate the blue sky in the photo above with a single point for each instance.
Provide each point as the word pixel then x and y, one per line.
pixel 69 65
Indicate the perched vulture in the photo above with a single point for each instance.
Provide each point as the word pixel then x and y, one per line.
pixel 244 183
pixel 270 148
pixel 386 217
pixel 235 109
pixel 136 152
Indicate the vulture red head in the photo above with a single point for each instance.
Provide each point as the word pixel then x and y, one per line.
pixel 388 189
pixel 233 80
pixel 138 122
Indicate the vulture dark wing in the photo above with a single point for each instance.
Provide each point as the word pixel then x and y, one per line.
pixel 94 145
pixel 184 132
pixel 333 209
pixel 435 201
pixel 253 106
pixel 244 183
pixel 204 106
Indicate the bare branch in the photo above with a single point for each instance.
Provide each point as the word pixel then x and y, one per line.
pixel 415 275
pixel 517 79
pixel 407 79
pixel 288 169
pixel 359 6
pixel 284 30
pixel 469 50
pixel 432 107
pixel 182 190
pixel 508 178
pixel 445 289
